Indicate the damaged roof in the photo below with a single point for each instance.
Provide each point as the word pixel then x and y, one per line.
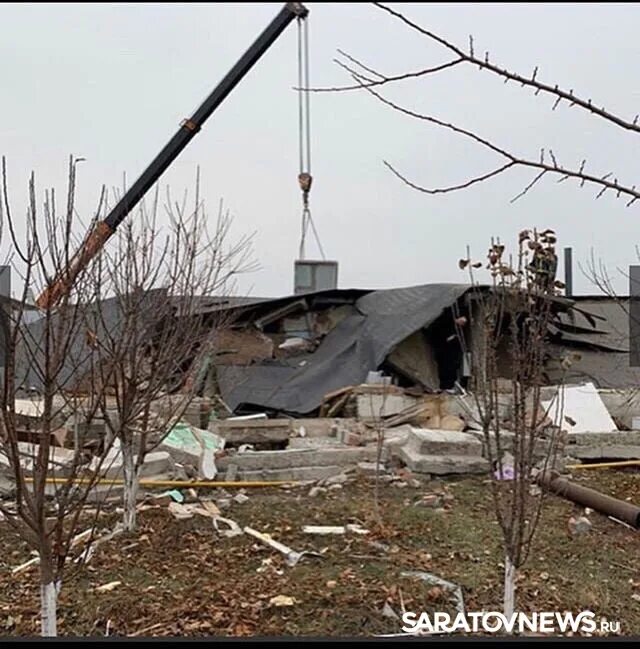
pixel 602 356
pixel 358 344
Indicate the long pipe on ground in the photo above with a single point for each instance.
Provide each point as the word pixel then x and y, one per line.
pixel 604 465
pixel 619 509
pixel 149 482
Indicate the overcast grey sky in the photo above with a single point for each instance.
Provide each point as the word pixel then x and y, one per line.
pixel 112 82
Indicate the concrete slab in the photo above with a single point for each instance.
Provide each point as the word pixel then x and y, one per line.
pixel 623 445
pixel 443 442
pixel 442 464
pixel 275 460
pixel 321 426
pixel 630 437
pixel 315 443
pixel 297 474
pixel 602 451
pixel 507 440
pixel 252 431
pixel 154 463
pixel 374 406
pixel 397 436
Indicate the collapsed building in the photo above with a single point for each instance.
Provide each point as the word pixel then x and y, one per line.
pixel 302 386
pixel 284 355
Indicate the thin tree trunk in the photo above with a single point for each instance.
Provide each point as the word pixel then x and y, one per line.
pixel 130 486
pixel 48 598
pixel 509 587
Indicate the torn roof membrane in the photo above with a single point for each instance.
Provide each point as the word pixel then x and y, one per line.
pixel 358 344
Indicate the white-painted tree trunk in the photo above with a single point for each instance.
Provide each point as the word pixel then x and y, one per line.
pixel 48 609
pixel 509 587
pixel 130 487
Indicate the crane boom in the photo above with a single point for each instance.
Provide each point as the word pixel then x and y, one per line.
pixel 96 239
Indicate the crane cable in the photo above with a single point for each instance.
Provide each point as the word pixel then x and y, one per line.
pixel 305 178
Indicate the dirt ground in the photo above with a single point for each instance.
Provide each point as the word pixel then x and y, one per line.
pixel 178 578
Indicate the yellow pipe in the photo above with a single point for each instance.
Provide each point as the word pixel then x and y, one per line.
pixel 148 482
pixel 604 465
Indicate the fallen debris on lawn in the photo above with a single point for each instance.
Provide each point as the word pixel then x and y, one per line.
pixel 624 511
pixel 334 529
pixel 292 557
pixel 437 581
pixel 234 528
pixel 105 588
pixel 282 600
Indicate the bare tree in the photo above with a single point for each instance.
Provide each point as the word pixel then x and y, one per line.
pixel 47 356
pixel 155 340
pixel 546 163
pixel 510 320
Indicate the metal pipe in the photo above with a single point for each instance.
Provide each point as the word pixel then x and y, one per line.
pixel 603 465
pixel 607 505
pixel 568 272
pixel 149 482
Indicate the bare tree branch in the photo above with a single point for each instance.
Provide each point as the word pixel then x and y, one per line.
pixel 602 182
pixel 507 75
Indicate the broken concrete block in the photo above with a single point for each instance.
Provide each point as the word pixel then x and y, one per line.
pixel 375 406
pixel 314 443
pixel 292 458
pixel 240 498
pixel 443 464
pixel 334 487
pixel 626 437
pixel 443 442
pixel 351 438
pixel 294 474
pixel 370 468
pixel 396 437
pixel 316 491
pixel 154 463
pixel 232 473
pixel 600 446
pixel 194 449
pixel 257 431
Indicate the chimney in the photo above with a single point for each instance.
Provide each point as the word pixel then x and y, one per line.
pixel 568 273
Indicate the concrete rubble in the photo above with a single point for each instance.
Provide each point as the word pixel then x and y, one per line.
pixel 441 452
pixel 429 434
